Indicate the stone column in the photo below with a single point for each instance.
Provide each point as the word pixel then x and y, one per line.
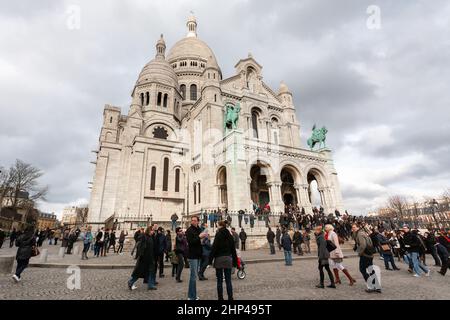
pixel 306 203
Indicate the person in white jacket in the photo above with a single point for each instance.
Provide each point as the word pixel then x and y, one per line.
pixel 336 256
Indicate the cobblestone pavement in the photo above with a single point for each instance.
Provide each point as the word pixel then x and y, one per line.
pixel 270 280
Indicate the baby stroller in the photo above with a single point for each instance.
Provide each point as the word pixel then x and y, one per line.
pixel 240 269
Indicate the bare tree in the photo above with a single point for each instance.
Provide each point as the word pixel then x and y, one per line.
pixel 6 179
pixel 398 204
pixel 25 179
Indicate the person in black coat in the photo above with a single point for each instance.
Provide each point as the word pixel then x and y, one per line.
pixel 161 243
pixel 270 238
pixel 25 244
pixel 146 261
pixel 2 237
pixel 194 236
pixel 223 255
pixel 243 237
pixel 12 237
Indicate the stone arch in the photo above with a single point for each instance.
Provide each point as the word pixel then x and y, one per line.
pixel 290 178
pixel 222 190
pixel 260 177
pixel 316 181
pixel 149 129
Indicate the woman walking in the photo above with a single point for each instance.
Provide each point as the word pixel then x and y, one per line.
pixel 121 241
pixel 336 256
pixel 87 240
pixel 146 264
pixel 223 257
pixel 25 244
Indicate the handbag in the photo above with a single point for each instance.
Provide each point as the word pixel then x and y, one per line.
pixel 385 247
pixel 330 246
pixel 34 251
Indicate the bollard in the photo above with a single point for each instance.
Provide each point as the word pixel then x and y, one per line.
pixel 6 264
pixel 75 250
pixel 62 252
pixel 44 254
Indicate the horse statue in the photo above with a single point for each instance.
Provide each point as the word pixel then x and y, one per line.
pixel 232 116
pixel 318 136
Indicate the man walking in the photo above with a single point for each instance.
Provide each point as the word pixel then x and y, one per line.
pixel 286 243
pixel 324 255
pixel 365 250
pixel 194 236
pixel 270 238
pixel 243 237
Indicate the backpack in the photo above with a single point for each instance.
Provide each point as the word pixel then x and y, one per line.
pixel 370 249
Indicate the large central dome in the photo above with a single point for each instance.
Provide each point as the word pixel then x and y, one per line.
pixel 192 47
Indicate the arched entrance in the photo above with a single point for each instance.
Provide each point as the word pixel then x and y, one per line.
pixel 314 185
pixel 288 192
pixel 222 187
pixel 259 190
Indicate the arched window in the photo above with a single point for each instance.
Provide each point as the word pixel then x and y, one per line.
pixel 159 99
pixel 165 100
pixel 193 92
pixel 195 192
pixel 275 137
pixel 147 96
pixel 153 179
pixel 142 98
pixel 183 91
pixel 215 98
pixel 166 174
pixel 110 119
pixel 177 180
pixel 199 192
pixel 255 124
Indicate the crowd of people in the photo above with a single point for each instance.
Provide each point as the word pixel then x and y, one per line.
pixel 193 248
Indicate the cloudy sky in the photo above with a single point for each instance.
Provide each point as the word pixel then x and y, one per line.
pixel 382 92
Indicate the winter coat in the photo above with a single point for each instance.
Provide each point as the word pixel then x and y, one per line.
pixel 297 238
pixel 169 243
pixel 286 242
pixel 278 235
pixel 336 253
pixel 223 246
pixel 270 236
pixel 181 245
pixel 161 244
pixel 194 243
pixel 322 251
pixel 236 239
pixel 363 241
pixel 412 242
pixel 243 236
pixel 145 257
pixel 24 243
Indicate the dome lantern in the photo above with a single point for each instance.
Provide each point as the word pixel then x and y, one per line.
pixel 192 26
pixel 161 48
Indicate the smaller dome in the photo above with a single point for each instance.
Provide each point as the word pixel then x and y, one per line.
pixel 283 88
pixel 158 70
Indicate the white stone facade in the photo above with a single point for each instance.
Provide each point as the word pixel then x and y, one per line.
pixel 172 152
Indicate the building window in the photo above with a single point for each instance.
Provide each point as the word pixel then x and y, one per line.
pixel 147 96
pixel 160 133
pixel 165 100
pixel 215 98
pixel 255 124
pixel 199 192
pixel 153 179
pixel 183 91
pixel 142 98
pixel 166 174
pixel 159 99
pixel 110 119
pixel 193 92
pixel 177 180
pixel 195 192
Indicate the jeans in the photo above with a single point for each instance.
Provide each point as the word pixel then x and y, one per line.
pixel 322 274
pixel 203 265
pixel 86 247
pixel 219 275
pixel 417 264
pixel 180 265
pixel 174 225
pixel 364 263
pixel 97 247
pixel 434 254
pixel 242 245
pixel 22 264
pixel 389 258
pixel 193 267
pixel 272 248
pixel 161 264
pixel 151 280
pixel 288 257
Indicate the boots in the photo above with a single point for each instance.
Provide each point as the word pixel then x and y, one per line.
pixel 352 281
pixel 336 276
